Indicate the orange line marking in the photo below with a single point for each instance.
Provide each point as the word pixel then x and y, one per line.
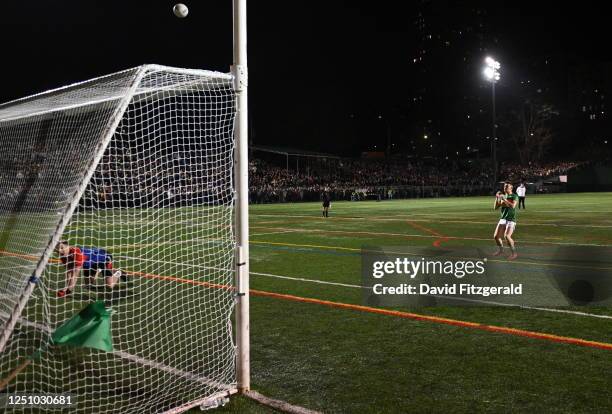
pixel 25 256
pixel 436 242
pixel 180 280
pixel 399 314
pixel 446 321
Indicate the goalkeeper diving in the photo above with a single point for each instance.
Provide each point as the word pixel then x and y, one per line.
pixel 93 261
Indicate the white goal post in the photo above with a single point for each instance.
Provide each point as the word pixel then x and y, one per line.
pixel 143 177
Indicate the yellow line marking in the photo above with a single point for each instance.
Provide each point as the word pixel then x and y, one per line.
pixel 316 246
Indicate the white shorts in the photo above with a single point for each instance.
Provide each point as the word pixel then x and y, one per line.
pixel 507 223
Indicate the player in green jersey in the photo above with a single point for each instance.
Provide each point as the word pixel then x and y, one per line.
pixel 507 201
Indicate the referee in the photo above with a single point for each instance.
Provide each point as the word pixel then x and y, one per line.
pixel 326 203
pixel 520 192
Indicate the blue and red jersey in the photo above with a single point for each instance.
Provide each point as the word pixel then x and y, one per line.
pixel 86 257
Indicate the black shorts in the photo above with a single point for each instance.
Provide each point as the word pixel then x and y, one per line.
pixel 106 268
pixel 326 204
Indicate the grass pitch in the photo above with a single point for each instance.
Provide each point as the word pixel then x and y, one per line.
pixel 345 360
pixel 338 360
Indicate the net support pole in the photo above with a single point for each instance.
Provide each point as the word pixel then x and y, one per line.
pixel 239 69
pixel 67 215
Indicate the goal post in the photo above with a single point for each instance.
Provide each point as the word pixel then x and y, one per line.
pixel 144 169
pixel 240 72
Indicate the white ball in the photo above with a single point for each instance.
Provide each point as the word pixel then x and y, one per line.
pixel 180 10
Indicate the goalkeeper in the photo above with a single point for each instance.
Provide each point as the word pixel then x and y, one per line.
pixel 91 260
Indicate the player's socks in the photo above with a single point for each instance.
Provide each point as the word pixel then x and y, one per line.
pixel 499 252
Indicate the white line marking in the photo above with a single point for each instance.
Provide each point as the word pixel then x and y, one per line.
pixel 427 236
pixel 301 279
pixel 174 264
pixel 272 232
pixel 135 358
pixel 324 282
pixel 180 373
pixel 16 267
pixel 410 217
pixel 488 302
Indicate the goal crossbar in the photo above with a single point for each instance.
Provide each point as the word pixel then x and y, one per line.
pixel 25 107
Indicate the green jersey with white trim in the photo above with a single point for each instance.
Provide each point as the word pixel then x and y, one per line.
pixel 509 213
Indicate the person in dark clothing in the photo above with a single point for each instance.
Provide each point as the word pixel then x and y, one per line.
pixel 326 204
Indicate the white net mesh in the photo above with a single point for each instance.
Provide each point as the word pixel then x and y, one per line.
pixel 158 207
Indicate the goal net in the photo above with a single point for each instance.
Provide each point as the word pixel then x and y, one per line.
pixel 133 171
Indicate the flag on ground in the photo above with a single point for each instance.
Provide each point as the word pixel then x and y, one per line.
pixel 90 328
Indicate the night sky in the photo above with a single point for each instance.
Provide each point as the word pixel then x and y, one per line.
pixel 321 72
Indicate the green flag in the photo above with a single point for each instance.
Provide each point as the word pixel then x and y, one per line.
pixel 90 328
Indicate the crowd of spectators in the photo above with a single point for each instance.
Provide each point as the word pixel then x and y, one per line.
pixel 358 179
pixel 533 172
pixel 132 177
pixel 379 179
pixel 163 178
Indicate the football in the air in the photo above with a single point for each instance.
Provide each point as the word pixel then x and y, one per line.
pixel 180 10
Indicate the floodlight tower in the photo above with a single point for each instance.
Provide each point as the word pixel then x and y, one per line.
pixel 491 73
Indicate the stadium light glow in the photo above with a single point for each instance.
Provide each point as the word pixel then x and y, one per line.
pixel 491 71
